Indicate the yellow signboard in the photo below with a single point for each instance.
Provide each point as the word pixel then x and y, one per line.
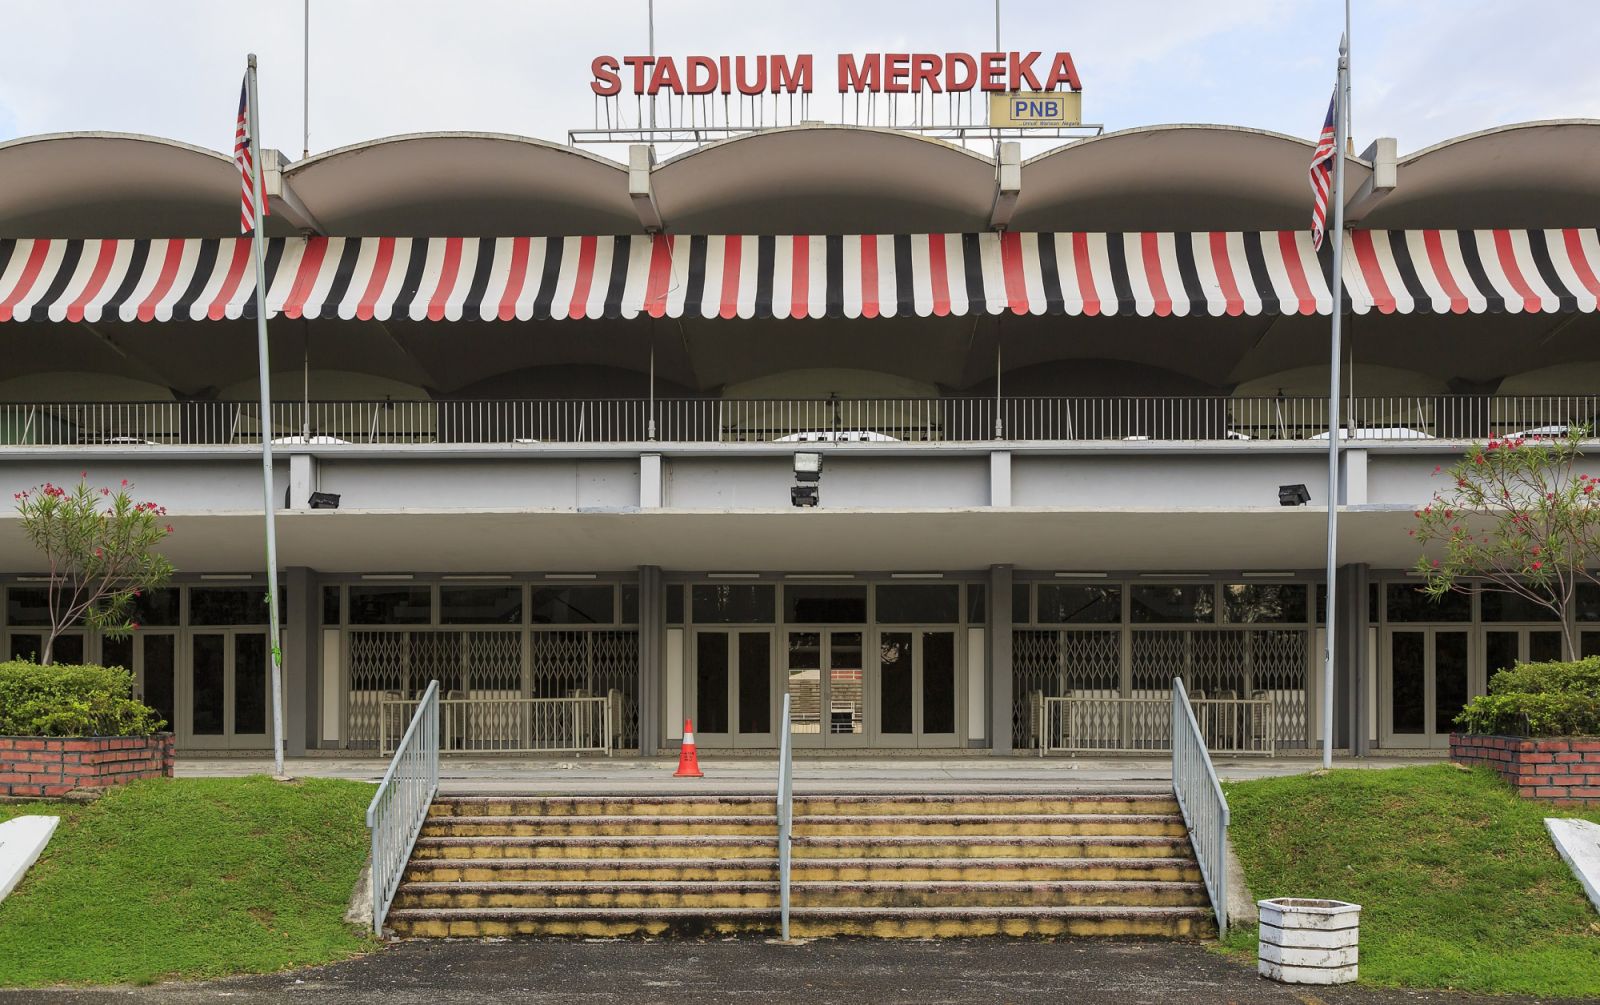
pixel 1036 109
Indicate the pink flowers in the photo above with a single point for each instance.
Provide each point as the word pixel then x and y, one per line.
pixel 1537 566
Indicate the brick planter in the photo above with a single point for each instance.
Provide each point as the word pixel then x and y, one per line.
pixel 1562 770
pixel 55 765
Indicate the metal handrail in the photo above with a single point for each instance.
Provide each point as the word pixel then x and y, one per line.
pixel 785 815
pixel 1199 795
pixel 400 806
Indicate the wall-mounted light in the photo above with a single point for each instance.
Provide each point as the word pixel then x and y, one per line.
pixel 1293 495
pixel 807 473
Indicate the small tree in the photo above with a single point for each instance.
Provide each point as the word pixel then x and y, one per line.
pixel 1517 518
pixel 99 546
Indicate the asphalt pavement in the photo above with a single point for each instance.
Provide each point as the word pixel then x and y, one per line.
pixel 753 970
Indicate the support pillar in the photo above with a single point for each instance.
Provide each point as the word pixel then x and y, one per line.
pixel 301 661
pixel 652 666
pixel 1000 659
pixel 1352 718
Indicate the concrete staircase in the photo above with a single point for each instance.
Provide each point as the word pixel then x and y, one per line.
pixel 875 865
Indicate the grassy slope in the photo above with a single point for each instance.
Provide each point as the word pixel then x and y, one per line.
pixel 188 877
pixel 1459 883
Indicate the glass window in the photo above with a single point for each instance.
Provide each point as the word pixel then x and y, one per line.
pixel 1021 604
pixel 711 682
pixel 977 603
pixel 480 605
pixel 391 605
pixel 229 605
pixel 1408 602
pixel 755 682
pixel 719 604
pixel 1322 603
pixel 330 605
pixel 574 605
pixel 1061 604
pixel 1172 604
pixel 630 603
pixel 1264 603
pixel 1498 606
pixel 1588 602
pixel 919 605
pixel 826 605
pixel 27 605
pixel 674 604
pixel 153 608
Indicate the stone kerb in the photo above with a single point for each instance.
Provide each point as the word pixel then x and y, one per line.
pixel 1563 770
pixel 49 766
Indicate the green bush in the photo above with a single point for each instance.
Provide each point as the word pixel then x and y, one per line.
pixel 1539 699
pixel 65 700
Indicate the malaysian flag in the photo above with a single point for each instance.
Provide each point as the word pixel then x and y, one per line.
pixel 243 161
pixel 1322 174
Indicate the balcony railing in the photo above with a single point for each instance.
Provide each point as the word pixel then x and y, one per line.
pixel 789 420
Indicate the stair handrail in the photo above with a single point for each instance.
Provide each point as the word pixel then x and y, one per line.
pixel 1200 797
pixel 400 806
pixel 785 815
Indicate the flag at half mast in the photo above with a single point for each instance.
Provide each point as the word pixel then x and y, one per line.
pixel 1322 173
pixel 246 165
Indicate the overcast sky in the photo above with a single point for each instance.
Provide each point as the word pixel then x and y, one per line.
pixel 1424 70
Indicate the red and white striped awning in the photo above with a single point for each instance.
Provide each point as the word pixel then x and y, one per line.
pixel 727 276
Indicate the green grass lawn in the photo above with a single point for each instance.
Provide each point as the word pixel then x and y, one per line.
pixel 1458 882
pixel 188 878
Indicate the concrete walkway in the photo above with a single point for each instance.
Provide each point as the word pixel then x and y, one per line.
pixel 599 775
pixel 828 971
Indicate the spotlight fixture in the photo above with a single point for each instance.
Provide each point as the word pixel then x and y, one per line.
pixel 324 500
pixel 1293 495
pixel 807 473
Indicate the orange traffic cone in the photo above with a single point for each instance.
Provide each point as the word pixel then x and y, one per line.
pixel 688 760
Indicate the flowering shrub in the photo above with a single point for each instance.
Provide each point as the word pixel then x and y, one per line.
pixel 99 545
pixel 1516 518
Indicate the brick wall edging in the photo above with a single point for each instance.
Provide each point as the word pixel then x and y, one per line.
pixel 1558 769
pixel 50 766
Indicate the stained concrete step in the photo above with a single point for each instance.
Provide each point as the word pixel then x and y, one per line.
pixel 721 895
pixel 809 922
pixel 996 824
pixel 698 846
pixel 915 805
pixel 631 826
pixel 1033 870
pixel 1049 846
pixel 602 806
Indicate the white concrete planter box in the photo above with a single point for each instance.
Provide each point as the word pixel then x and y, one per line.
pixel 1307 941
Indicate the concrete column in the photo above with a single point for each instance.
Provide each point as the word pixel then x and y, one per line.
pixel 302 480
pixel 1352 718
pixel 301 662
pixel 1000 478
pixel 652 664
pixel 1000 659
pixel 650 488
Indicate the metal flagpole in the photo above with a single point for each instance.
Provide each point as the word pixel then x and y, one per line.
pixel 256 239
pixel 1341 110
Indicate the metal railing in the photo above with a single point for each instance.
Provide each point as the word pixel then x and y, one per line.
pixel 788 420
pixel 785 817
pixel 511 725
pixel 400 806
pixel 1114 724
pixel 1199 795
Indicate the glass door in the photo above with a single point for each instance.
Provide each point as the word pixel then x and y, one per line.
pixel 733 698
pixel 826 680
pixel 226 701
pixel 917 687
pixel 1427 681
pixel 152 658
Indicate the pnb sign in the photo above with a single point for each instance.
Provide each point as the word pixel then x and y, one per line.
pixel 1036 109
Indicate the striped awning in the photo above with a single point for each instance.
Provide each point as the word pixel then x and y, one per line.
pixel 521 278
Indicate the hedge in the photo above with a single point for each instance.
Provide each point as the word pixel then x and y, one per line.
pixel 68 700
pixel 1538 699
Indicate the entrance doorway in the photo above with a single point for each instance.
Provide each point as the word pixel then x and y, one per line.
pixel 733 686
pixel 826 677
pixel 226 700
pixel 1427 680
pixel 917 686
